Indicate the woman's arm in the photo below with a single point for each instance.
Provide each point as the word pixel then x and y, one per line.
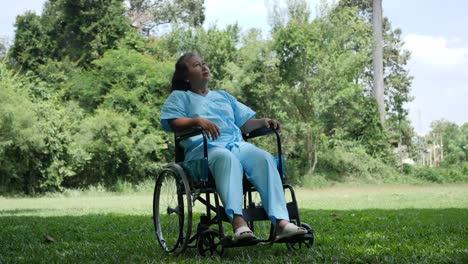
pixel 255 123
pixel 182 123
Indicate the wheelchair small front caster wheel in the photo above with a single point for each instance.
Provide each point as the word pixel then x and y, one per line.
pixel 306 242
pixel 209 243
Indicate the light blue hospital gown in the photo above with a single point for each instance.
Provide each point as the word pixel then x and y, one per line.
pixel 229 155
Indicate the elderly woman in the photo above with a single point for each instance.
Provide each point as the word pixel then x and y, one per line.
pixel 191 103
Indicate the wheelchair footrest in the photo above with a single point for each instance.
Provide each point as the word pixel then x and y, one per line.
pixel 228 242
pixel 295 239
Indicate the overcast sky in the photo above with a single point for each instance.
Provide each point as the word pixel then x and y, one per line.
pixel 435 31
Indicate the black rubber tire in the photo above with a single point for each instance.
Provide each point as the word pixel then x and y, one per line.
pixel 172 209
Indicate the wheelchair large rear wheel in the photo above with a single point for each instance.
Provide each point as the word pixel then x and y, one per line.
pixel 172 209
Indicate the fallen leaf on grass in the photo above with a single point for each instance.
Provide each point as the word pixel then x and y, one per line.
pixel 336 217
pixel 49 239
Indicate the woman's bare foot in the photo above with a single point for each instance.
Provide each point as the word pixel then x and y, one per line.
pixel 241 229
pixel 237 222
pixel 281 224
pixel 285 229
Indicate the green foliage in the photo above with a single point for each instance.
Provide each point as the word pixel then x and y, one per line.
pixel 253 77
pixel 105 137
pixel 116 138
pixel 125 81
pixel 20 143
pixel 4 46
pixel 321 63
pixel 217 47
pixel 32 45
pixel 84 30
pixel 123 135
pixel 133 82
pixel 447 174
pixel 78 30
pixel 349 161
pixel 397 81
pixel 61 159
pixel 36 148
pixel 454 140
pixel 83 108
pixel 49 80
pixel 429 174
pixel 445 146
pixel 148 15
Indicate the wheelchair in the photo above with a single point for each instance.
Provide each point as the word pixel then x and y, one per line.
pixel 182 184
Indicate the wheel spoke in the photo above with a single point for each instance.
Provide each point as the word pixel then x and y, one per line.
pixel 207 243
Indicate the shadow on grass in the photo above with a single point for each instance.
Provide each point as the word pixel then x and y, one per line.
pixel 378 236
pixel 19 212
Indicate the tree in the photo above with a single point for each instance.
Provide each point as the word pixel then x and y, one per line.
pixel 80 30
pixel 37 152
pixel 451 140
pixel 319 62
pixel 4 46
pixel 121 134
pixel 253 78
pixel 377 57
pixel 397 80
pixel 146 15
pixel 20 140
pixel 83 30
pixel 32 44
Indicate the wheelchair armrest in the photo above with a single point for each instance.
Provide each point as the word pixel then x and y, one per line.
pixel 259 132
pixel 186 133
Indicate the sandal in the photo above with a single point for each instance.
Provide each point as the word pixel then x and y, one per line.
pixel 243 233
pixel 290 230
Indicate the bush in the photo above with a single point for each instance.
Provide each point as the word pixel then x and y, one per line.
pixel 122 187
pixel 457 173
pixel 429 174
pixel 350 161
pixel 21 141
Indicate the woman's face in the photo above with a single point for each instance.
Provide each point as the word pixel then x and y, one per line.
pixel 197 69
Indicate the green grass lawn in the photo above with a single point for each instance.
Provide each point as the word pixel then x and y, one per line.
pixel 370 224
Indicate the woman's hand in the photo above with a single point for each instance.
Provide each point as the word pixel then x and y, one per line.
pixel 272 123
pixel 254 123
pixel 182 123
pixel 208 126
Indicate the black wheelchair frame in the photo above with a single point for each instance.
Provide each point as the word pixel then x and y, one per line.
pixel 172 216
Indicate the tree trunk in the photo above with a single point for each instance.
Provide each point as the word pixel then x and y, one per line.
pixel 309 149
pixel 378 88
pixel 315 155
pixel 441 148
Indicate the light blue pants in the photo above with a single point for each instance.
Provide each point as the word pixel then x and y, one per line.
pixel 227 167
